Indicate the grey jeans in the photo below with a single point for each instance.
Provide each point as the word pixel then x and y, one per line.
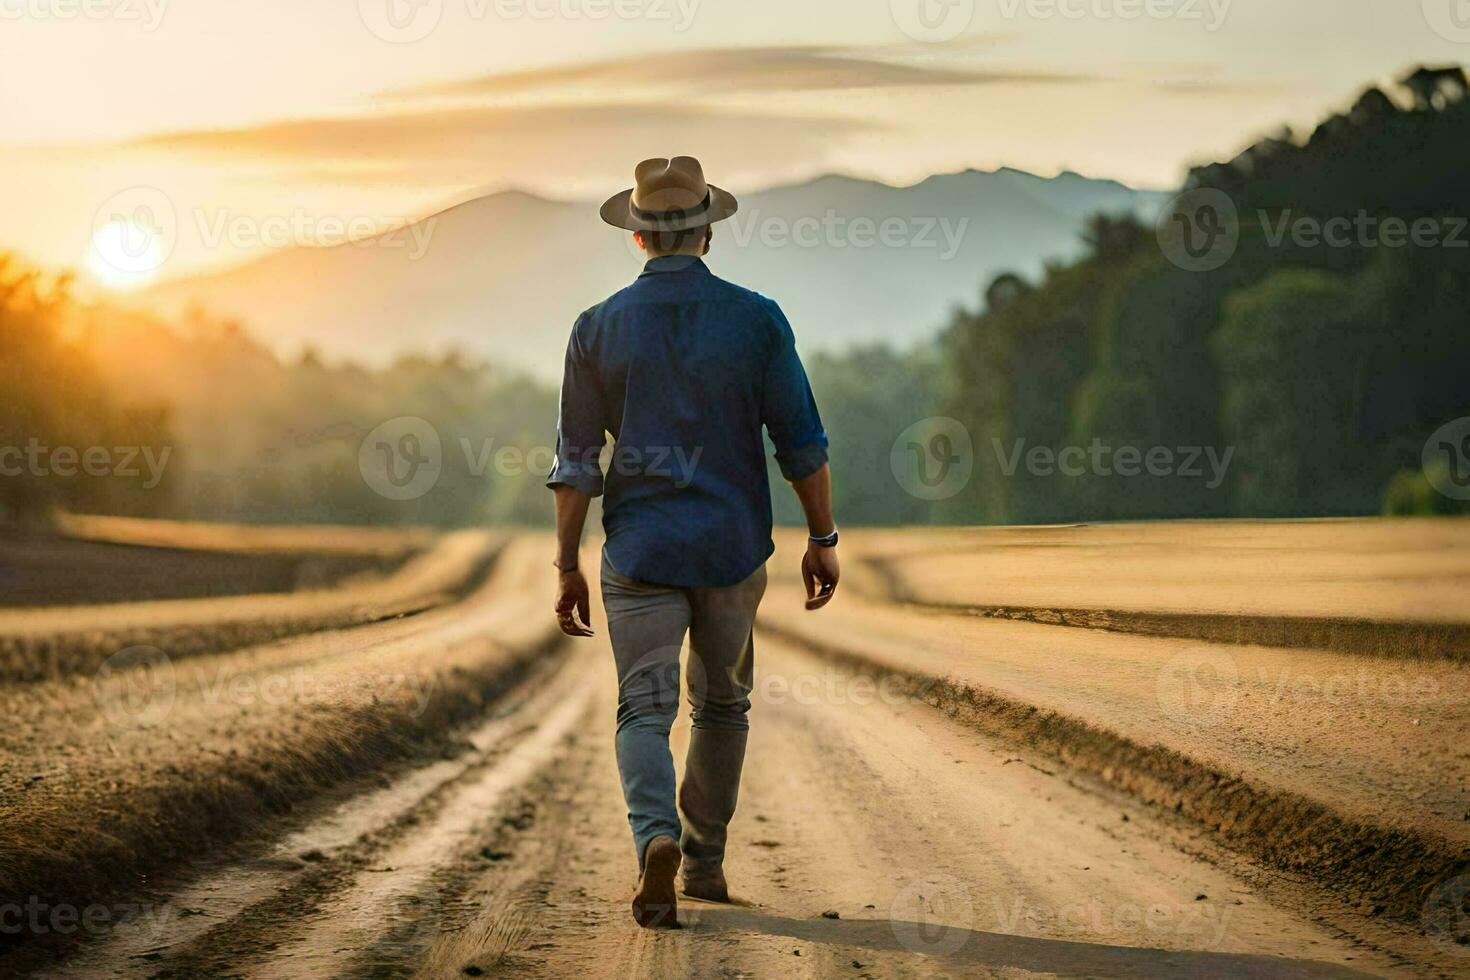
pixel 647 624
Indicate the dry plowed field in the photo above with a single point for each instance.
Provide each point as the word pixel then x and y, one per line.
pixel 1212 749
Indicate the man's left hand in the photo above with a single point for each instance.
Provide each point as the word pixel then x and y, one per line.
pixel 819 573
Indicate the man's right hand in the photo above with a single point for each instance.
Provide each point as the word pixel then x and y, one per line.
pixel 573 604
pixel 819 569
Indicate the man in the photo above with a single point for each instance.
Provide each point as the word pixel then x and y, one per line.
pixel 683 369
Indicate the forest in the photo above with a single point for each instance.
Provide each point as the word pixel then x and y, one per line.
pixel 1301 375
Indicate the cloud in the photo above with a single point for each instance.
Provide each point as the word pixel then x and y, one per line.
pixel 737 70
pixel 559 125
pixel 527 146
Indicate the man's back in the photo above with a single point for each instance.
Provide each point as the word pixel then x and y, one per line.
pixel 684 368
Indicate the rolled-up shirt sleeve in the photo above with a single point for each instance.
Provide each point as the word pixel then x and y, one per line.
pixel 581 425
pixel 789 409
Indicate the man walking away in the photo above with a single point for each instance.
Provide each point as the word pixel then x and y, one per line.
pixel 684 370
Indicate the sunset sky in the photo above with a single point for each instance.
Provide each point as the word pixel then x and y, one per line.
pixel 257 123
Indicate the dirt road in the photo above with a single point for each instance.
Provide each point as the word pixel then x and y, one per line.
pixel 875 838
pixel 928 793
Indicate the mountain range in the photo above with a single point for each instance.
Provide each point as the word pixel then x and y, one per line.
pixel 503 276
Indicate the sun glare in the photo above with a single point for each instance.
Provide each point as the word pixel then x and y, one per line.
pixel 125 254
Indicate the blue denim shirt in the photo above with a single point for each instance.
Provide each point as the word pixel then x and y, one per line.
pixel 684 368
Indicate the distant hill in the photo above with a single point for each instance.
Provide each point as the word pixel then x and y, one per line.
pixel 504 275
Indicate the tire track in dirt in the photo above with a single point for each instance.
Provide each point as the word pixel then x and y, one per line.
pixel 116 794
pixel 938 855
pixel 323 897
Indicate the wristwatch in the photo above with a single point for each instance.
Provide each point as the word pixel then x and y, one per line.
pixel 826 541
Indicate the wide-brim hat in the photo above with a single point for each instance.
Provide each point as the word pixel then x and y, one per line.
pixel 669 195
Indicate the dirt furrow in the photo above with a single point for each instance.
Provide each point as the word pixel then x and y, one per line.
pixel 1380 868
pixel 122 777
pixel 53 643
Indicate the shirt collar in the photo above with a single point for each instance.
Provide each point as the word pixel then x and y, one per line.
pixel 673 263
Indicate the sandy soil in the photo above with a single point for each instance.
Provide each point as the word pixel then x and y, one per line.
pixel 873 840
pixel 1403 569
pixel 436 796
pixel 102 777
pixel 1379 740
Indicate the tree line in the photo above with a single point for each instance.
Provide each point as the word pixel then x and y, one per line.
pixel 1300 376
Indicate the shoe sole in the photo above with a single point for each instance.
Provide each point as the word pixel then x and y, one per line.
pixel 708 893
pixel 656 906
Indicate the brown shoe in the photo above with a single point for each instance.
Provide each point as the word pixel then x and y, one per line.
pixel 706 884
pixel 656 906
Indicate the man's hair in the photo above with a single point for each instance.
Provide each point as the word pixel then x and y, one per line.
pixel 669 242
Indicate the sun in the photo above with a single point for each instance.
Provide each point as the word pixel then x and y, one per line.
pixel 125 254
